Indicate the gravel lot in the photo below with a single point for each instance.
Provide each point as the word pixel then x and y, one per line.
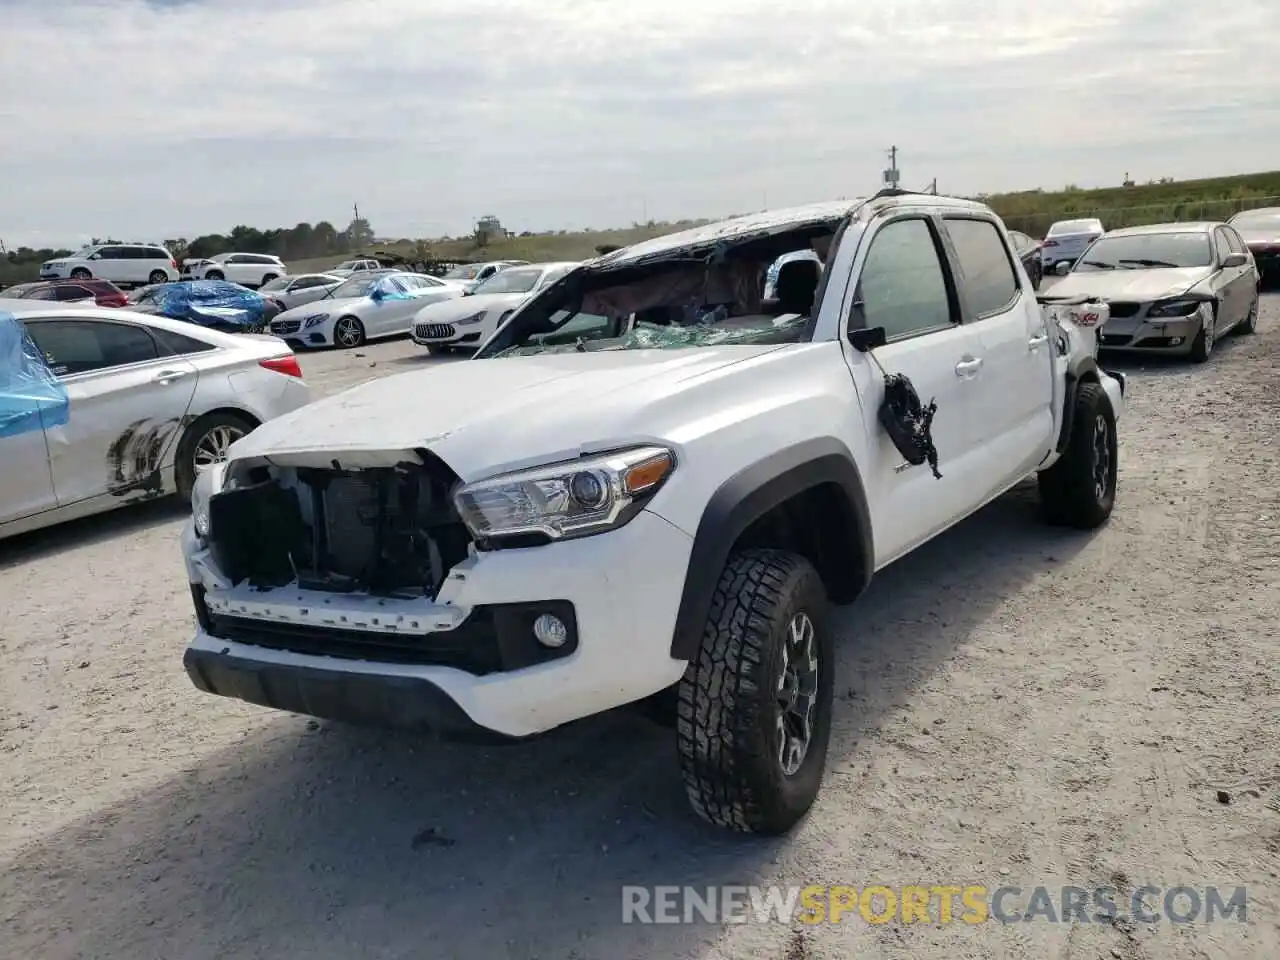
pixel 1017 706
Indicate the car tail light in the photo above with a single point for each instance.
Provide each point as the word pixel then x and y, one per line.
pixel 1051 243
pixel 286 365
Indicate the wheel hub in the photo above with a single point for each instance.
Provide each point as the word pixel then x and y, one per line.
pixel 1101 457
pixel 213 446
pixel 797 693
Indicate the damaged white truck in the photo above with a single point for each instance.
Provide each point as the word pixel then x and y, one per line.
pixel 649 486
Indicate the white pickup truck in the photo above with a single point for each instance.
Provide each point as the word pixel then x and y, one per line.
pixel 649 487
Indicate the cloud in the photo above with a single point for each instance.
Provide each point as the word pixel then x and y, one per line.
pixel 176 117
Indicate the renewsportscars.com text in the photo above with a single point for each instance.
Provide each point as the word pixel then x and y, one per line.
pixel 942 903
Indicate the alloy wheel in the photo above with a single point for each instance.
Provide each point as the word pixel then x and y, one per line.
pixel 797 693
pixel 1101 457
pixel 212 447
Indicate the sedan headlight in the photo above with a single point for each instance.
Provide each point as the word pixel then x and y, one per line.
pixel 208 482
pixel 314 320
pixel 469 321
pixel 570 499
pixel 1174 308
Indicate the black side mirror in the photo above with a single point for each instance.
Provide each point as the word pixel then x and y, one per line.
pixel 868 339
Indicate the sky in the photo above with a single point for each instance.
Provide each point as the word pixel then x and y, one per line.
pixel 155 119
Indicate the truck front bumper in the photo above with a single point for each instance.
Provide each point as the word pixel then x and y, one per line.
pixel 619 592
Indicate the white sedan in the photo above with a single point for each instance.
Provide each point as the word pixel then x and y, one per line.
pixel 290 292
pixel 470 321
pixel 101 406
pixel 362 308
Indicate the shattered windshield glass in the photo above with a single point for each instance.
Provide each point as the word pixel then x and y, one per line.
pixel 593 334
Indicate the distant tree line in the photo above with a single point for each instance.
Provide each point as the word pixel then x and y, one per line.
pixel 291 243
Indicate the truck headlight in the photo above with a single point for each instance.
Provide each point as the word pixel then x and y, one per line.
pixel 208 482
pixel 1174 308
pixel 569 499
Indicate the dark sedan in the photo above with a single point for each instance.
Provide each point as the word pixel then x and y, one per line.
pixel 102 292
pixel 1260 230
pixel 1028 251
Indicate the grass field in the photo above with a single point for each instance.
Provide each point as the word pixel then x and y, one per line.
pixel 1031 211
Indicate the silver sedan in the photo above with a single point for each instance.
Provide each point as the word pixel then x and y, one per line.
pixel 294 291
pixel 101 407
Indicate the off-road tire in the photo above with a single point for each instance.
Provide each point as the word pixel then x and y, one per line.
pixel 158 276
pixel 1202 345
pixel 1068 491
pixel 1250 323
pixel 80 273
pixel 727 701
pixel 184 467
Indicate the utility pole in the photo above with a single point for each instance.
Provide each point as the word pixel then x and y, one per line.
pixel 891 177
pixel 933 187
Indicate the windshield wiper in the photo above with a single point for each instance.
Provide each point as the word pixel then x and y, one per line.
pixel 1098 263
pixel 1148 263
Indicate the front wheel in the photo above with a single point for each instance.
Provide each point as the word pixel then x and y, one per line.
pixel 215 275
pixel 204 444
pixel 1202 345
pixel 754 705
pixel 1079 490
pixel 348 332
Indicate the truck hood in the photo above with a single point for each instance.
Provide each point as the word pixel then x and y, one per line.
pixel 451 311
pixel 1130 286
pixel 484 417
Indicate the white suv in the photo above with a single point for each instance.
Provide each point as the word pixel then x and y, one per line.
pixel 129 264
pixel 246 269
pixel 651 486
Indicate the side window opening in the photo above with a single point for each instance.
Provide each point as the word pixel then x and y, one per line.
pixel 902 286
pixel 987 277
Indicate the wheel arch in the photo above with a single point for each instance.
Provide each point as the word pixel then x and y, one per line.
pixel 781 497
pixel 1081 369
pixel 188 425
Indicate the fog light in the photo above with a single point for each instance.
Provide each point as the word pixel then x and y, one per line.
pixel 1175 341
pixel 550 631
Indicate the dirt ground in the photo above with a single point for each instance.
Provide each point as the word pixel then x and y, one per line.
pixel 1017 706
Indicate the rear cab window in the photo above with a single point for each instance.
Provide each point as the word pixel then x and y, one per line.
pixel 987 280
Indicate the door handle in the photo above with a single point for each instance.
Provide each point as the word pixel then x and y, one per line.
pixel 967 368
pixel 1037 341
pixel 164 376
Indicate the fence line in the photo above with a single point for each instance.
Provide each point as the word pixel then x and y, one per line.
pixel 1037 224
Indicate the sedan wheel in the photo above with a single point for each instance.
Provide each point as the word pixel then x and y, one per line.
pixel 1202 346
pixel 348 332
pixel 213 446
pixel 205 444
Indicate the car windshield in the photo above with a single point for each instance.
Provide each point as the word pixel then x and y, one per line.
pixel 467 271
pixel 681 301
pixel 1146 251
pixel 355 287
pixel 1257 220
pixel 514 280
pixel 279 283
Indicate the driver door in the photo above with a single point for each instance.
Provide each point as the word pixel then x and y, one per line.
pixel 905 286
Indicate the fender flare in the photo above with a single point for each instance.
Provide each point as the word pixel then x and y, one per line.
pixel 745 497
pixel 1080 370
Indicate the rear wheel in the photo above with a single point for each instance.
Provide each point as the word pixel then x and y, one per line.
pixel 1079 490
pixel 80 273
pixel 348 332
pixel 268 278
pixel 204 444
pixel 215 275
pixel 753 710
pixel 158 276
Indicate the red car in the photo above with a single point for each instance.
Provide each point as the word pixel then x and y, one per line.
pixel 103 292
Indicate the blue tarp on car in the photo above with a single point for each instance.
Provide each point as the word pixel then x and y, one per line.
pixel 31 397
pixel 212 303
